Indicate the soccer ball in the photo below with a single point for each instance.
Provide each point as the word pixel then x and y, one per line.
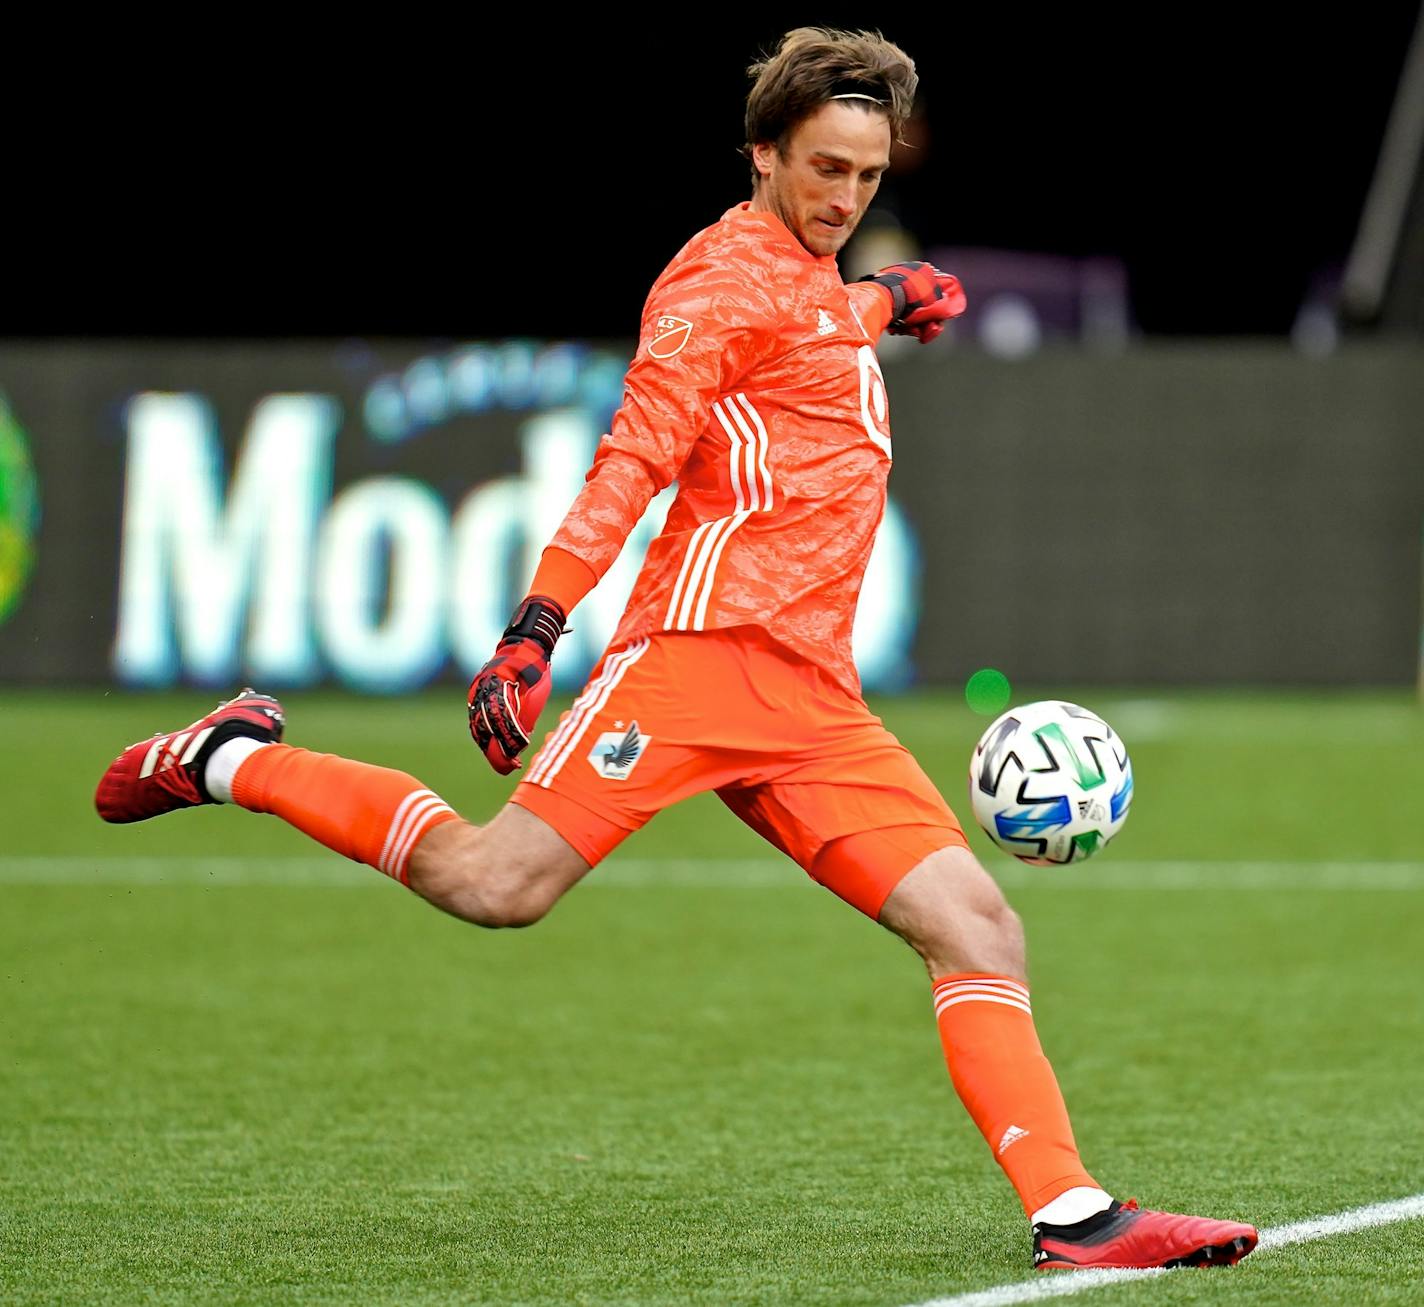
pixel 1050 783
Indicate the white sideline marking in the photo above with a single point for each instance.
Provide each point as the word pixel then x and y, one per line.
pixel 1059 1284
pixel 720 873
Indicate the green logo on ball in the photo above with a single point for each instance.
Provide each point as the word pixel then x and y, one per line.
pixel 19 511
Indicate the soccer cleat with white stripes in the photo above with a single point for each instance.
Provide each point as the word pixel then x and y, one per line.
pixel 165 772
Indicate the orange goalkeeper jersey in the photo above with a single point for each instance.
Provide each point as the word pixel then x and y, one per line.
pixel 756 387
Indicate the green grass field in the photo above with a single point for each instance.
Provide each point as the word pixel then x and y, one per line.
pixel 237 1069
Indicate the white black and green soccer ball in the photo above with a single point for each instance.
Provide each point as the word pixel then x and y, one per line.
pixel 1050 782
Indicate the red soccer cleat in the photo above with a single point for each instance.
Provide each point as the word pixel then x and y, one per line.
pixel 165 772
pixel 1128 1236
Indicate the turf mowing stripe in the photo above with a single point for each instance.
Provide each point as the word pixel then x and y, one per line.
pixel 717 873
pixel 334 872
pixel 1060 1284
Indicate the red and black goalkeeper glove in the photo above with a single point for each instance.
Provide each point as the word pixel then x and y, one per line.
pixel 922 298
pixel 509 690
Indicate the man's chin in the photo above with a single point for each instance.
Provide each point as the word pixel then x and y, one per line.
pixel 825 241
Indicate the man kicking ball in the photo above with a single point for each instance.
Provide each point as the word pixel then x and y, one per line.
pixel 756 387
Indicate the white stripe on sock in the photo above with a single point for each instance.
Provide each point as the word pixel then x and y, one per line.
pixel 415 827
pixel 402 855
pixel 405 805
pixel 945 1004
pixel 1011 987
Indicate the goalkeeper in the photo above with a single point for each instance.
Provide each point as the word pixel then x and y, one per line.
pixel 756 387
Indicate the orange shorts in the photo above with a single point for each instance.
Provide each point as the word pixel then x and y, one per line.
pixel 795 755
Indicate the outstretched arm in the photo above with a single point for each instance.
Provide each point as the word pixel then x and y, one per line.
pixel 700 334
pixel 914 299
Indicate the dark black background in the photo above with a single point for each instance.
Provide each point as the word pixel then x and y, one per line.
pixel 461 178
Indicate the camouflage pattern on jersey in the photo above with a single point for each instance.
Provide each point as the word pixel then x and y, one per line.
pixel 755 386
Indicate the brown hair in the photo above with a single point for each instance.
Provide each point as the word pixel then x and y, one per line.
pixel 812 65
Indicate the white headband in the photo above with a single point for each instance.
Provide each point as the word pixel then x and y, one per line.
pixel 856 95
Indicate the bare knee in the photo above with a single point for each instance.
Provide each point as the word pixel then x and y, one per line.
pixel 504 875
pixel 504 904
pixel 459 877
pixel 953 914
pixel 991 941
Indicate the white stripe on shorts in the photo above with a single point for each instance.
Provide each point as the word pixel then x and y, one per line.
pixel 560 734
pixel 586 707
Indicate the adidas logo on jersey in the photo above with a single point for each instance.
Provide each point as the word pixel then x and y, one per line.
pixel 825 324
pixel 616 753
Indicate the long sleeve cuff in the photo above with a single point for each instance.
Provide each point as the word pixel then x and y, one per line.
pixel 875 305
pixel 563 578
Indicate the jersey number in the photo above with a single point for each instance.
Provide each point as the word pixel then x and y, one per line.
pixel 874 404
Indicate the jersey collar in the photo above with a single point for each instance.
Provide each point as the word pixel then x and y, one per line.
pixel 743 215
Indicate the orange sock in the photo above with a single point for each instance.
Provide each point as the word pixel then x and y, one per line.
pixel 1003 1078
pixel 372 814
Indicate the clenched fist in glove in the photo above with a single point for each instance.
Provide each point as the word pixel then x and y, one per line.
pixel 509 690
pixel 922 299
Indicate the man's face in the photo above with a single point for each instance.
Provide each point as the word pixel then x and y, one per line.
pixel 823 183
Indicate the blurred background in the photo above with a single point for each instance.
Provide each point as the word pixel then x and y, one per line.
pixel 306 347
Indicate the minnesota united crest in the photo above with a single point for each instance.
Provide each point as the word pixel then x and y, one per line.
pixel 615 753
